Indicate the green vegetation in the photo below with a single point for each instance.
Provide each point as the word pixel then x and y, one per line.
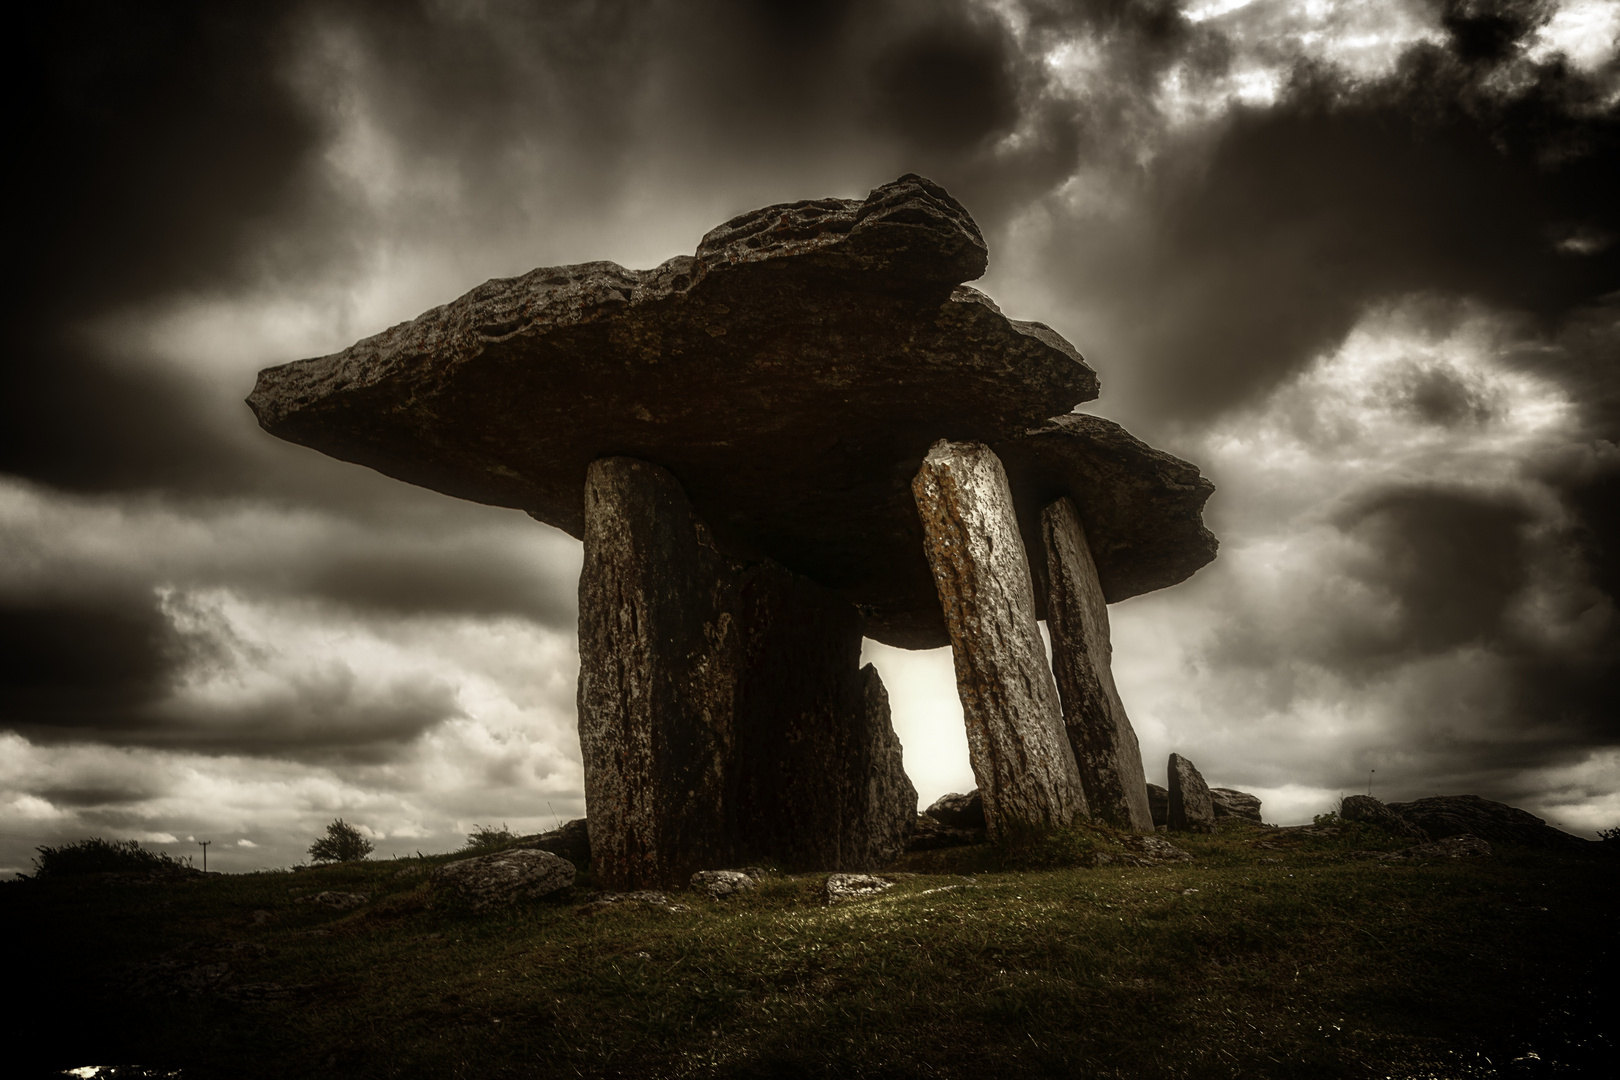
pixel 484 840
pixel 1267 957
pixel 342 843
pixel 98 856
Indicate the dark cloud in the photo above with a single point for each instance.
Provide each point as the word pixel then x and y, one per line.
pixel 82 665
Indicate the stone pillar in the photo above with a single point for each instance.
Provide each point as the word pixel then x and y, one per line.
pixel 1104 744
pixel 1020 754
pixel 723 715
pixel 1191 808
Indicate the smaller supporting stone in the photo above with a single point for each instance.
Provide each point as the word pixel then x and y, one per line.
pixel 1191 808
pixel 1016 741
pixel 1105 747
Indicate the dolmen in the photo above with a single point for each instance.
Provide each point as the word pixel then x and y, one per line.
pixel 809 431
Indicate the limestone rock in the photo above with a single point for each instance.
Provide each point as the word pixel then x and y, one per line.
pixel 854 886
pixel 571 840
pixel 1370 811
pixel 506 877
pixel 1191 808
pixel 1016 741
pixel 723 715
pixel 930 835
pixel 1452 815
pixel 722 883
pixel 343 901
pixel 1106 752
pixel 791 374
pixel 1150 850
pixel 641 898
pixel 1452 847
pixel 1232 803
pixel 1159 804
pixel 958 811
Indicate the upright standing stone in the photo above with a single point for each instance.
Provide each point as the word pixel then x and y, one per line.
pixel 723 713
pixel 1191 808
pixel 1105 748
pixel 1016 742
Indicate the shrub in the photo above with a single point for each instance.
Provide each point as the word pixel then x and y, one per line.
pixel 98 856
pixel 484 839
pixel 1610 836
pixel 342 843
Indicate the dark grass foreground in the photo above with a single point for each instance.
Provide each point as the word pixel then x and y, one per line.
pixel 1304 961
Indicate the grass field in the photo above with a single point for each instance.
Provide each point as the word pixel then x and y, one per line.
pixel 1302 959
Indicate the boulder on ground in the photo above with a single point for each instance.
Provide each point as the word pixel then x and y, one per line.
pixel 929 835
pixel 571 840
pixel 1191 808
pixel 956 811
pixel 491 881
pixel 854 886
pixel 1232 803
pixel 1159 804
pixel 722 883
pixel 1454 815
pixel 1370 811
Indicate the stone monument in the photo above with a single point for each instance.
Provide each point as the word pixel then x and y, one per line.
pixel 807 432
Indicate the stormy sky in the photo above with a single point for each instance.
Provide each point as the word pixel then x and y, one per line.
pixel 1359 261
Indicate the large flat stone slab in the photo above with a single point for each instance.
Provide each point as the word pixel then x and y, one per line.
pixel 791 375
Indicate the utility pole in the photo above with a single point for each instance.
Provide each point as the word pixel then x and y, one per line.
pixel 204 845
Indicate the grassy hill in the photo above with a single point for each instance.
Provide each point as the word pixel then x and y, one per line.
pixel 1273 954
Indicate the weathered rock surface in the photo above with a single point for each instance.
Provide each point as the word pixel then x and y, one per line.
pixel 958 811
pixel 1150 850
pixel 929 835
pixel 1232 803
pixel 854 886
pixel 571 840
pixel 641 898
pixel 1452 815
pixel 723 715
pixel 1371 811
pixel 1100 733
pixel 1016 741
pixel 719 884
pixel 1159 804
pixel 343 901
pixel 1191 809
pixel 506 877
pixel 1452 847
pixel 792 374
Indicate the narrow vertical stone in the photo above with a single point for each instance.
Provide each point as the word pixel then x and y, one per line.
pixel 656 694
pixel 1100 733
pixel 723 714
pixel 1191 808
pixel 1016 741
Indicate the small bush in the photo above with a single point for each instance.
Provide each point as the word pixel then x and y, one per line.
pixel 342 843
pixel 484 840
pixel 98 856
pixel 1610 836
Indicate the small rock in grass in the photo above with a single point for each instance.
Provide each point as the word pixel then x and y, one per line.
pixel 722 883
pixel 490 881
pixel 1145 850
pixel 343 901
pixel 854 886
pixel 606 901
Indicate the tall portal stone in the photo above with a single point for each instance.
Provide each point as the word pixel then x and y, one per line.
pixel 1100 734
pixel 723 714
pixel 1191 808
pixel 1016 742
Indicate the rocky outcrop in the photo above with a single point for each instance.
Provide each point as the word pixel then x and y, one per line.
pixel 507 877
pixel 1370 811
pixel 1232 803
pixel 958 811
pixel 1100 733
pixel 791 374
pixel 1190 807
pixel 1454 815
pixel 723 715
pixel 1016 740
pixel 929 835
